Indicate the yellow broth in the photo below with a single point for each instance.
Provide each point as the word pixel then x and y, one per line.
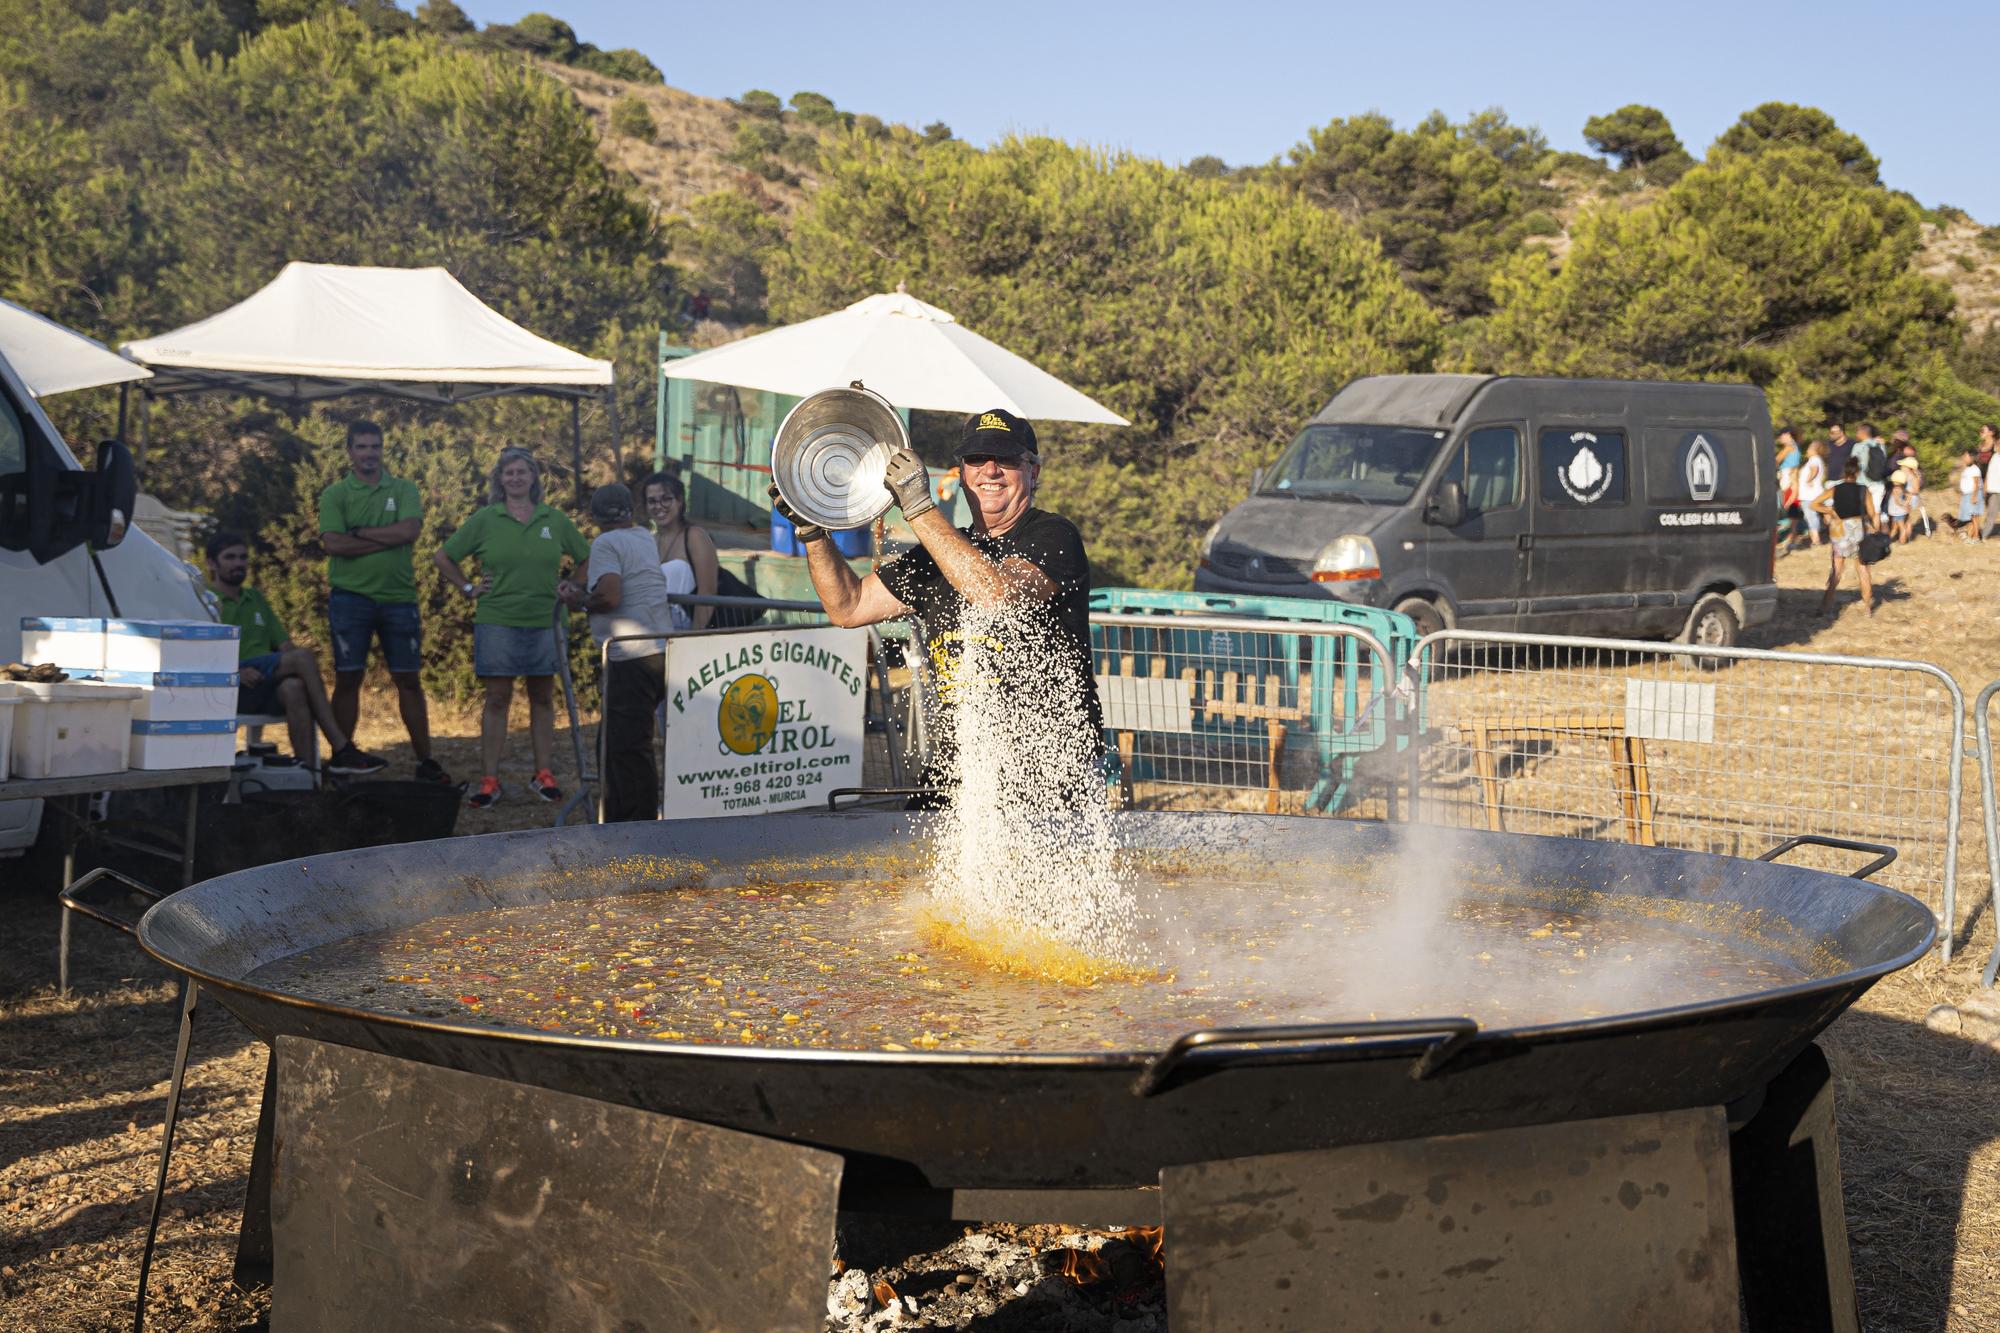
pixel 859 965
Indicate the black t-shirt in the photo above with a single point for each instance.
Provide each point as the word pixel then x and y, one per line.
pixel 1848 499
pixel 1049 542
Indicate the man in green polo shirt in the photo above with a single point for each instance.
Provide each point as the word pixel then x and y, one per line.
pixel 368 521
pixel 273 673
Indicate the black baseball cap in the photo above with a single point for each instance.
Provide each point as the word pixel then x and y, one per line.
pixel 997 432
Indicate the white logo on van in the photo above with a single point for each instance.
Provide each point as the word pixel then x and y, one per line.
pixel 1585 477
pixel 1702 470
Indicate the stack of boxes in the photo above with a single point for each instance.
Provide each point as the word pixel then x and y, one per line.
pixel 174 682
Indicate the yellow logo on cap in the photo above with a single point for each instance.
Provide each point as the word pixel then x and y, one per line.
pixel 993 421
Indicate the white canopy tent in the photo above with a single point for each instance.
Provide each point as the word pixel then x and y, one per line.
pixel 323 331
pixel 51 359
pixel 915 355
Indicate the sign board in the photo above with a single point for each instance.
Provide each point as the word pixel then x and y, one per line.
pixel 1662 710
pixel 765 721
pixel 1145 703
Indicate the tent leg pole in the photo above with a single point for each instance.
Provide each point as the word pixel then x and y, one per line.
pixel 145 426
pixel 576 452
pixel 124 407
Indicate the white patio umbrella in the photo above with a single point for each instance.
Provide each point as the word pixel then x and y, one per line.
pixel 52 359
pixel 915 355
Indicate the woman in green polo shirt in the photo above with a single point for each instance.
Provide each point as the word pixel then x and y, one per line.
pixel 520 543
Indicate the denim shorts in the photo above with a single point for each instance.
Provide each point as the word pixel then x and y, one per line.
pixel 509 650
pixel 356 621
pixel 260 699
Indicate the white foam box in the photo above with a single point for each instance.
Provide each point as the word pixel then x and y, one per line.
pixel 183 743
pixel 7 705
pixel 180 696
pixel 169 645
pixel 74 643
pixel 71 729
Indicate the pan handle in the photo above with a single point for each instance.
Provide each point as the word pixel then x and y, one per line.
pixel 1885 855
pixel 1303 1041
pixel 864 794
pixel 104 904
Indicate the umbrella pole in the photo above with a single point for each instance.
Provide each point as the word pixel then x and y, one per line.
pixel 124 405
pixel 576 454
pixel 145 426
pixel 617 454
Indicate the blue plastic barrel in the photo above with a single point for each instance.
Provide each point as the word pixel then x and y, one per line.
pixel 785 538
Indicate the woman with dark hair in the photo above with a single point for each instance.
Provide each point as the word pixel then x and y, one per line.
pixel 1849 511
pixel 520 542
pixel 687 553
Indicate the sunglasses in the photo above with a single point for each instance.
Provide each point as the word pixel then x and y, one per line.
pixel 1012 462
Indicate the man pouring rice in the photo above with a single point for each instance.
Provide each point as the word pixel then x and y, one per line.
pixel 1002 606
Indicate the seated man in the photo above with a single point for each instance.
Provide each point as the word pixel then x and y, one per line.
pixel 275 674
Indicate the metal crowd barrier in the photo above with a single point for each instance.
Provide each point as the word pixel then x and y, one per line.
pixel 1983 726
pixel 1233 712
pixel 798 615
pixel 1713 749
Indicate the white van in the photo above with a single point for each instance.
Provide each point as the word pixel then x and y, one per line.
pixel 41 511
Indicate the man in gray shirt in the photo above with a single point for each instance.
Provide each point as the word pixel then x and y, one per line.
pixel 625 594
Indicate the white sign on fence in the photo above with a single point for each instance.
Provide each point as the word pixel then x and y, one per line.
pixel 1145 703
pixel 761 722
pixel 1666 710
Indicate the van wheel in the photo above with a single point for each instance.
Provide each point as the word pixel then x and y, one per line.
pixel 1712 625
pixel 1428 617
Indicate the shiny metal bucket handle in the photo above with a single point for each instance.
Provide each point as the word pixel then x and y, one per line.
pixel 1885 855
pixel 1217 1048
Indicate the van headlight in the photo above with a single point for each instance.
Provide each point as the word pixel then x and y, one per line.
pixel 1208 542
pixel 1346 559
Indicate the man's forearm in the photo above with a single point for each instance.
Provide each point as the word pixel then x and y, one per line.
pixel 978 579
pixel 348 544
pixel 390 534
pixel 832 579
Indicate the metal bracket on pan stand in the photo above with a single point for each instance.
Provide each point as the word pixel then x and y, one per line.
pixel 1211 1049
pixel 101 906
pixel 1885 855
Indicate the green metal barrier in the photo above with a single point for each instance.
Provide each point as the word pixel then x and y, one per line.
pixel 1328 668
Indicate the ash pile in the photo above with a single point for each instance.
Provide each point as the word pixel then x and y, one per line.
pixel 998 1278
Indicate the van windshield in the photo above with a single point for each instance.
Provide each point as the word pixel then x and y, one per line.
pixel 1368 464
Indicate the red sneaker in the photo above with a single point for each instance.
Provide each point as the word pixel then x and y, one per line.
pixel 545 785
pixel 487 795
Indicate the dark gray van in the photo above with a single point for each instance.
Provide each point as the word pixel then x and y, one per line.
pixel 1607 507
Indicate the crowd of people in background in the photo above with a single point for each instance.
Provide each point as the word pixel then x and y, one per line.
pixel 1862 494
pixel 525 556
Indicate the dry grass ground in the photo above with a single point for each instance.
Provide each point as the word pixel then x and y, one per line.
pixel 83 1080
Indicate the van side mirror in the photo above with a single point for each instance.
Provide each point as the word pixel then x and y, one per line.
pixel 1447 506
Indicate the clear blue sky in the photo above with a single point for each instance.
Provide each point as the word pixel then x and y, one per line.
pixel 1919 81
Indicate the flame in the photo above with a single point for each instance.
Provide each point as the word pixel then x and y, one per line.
pixel 1085 1266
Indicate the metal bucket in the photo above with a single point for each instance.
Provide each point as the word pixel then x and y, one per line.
pixel 831 453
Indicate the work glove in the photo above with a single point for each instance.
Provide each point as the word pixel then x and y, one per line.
pixel 808 532
pixel 910 482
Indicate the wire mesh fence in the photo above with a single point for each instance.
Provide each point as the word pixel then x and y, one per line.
pixel 1220 712
pixel 1718 750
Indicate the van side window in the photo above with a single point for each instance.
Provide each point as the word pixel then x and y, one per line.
pixel 1492 469
pixel 1582 468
